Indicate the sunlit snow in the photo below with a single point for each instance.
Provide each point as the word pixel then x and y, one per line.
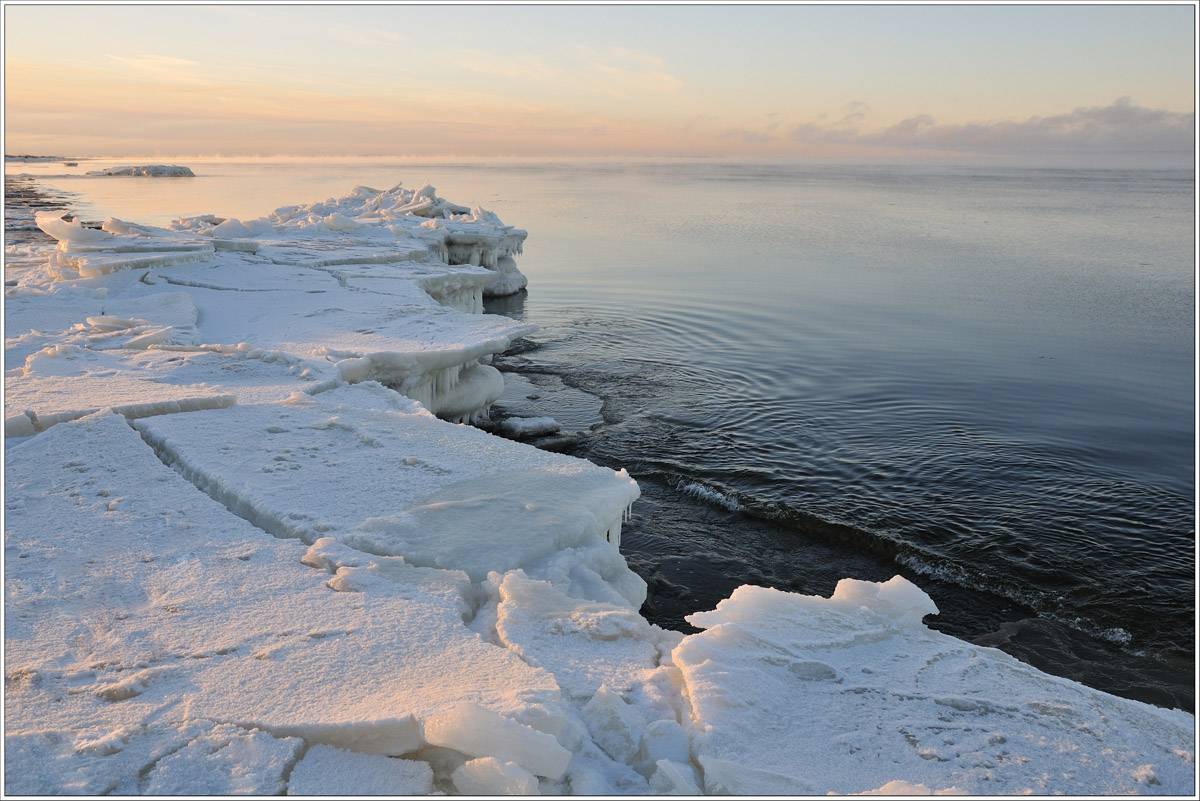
pixel 253 547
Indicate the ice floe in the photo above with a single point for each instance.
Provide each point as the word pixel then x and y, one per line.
pixel 860 693
pixel 250 548
pixel 521 427
pixel 149 170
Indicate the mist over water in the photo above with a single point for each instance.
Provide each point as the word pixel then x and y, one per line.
pixel 981 379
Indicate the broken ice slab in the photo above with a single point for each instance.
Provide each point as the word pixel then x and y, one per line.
pixel 90 252
pixel 459 288
pixel 69 231
pixel 65 382
pixel 365 465
pixel 475 731
pixel 385 249
pixel 62 309
pixel 491 776
pixel 326 770
pixel 404 281
pixel 585 645
pixel 238 272
pixel 228 760
pixel 65 266
pixel 454 234
pixel 795 694
pixel 136 604
pixel 526 427
pixel 180 758
pixel 405 339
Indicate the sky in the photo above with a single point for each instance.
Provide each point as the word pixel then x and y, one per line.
pixel 1037 83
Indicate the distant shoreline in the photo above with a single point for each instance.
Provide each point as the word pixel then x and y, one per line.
pixel 28 158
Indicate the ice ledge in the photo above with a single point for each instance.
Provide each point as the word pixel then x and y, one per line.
pixel 385 477
pixel 863 696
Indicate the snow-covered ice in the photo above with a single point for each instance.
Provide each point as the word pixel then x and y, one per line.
pixel 251 548
pixel 64 382
pixel 895 700
pixel 521 427
pixel 149 170
pixel 387 477
pixel 326 770
pixel 137 605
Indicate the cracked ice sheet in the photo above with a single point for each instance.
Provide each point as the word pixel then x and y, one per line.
pixel 585 645
pixel 63 382
pixel 239 272
pixel 400 278
pixel 54 309
pixel 374 469
pixel 325 770
pixel 435 278
pixel 250 376
pixel 799 694
pixel 329 252
pixel 624 700
pixel 317 318
pixel 175 757
pixel 136 605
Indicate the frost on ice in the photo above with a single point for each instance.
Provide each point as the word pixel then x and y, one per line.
pixel 249 551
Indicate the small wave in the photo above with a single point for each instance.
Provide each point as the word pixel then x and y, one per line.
pixel 1040 602
pixel 712 496
pixel 961 576
pixel 1116 634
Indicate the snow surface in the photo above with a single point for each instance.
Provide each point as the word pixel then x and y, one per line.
pixel 899 701
pixel 326 770
pixel 251 549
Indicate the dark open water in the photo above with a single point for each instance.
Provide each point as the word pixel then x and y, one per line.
pixel 980 379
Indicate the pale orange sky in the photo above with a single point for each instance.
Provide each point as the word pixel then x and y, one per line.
pixel 791 81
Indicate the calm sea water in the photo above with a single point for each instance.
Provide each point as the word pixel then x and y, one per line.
pixel 982 379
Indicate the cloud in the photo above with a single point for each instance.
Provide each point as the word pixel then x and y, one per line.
pixel 621 72
pixel 579 69
pixel 1121 126
pixel 153 66
pixel 766 129
pixel 369 38
pixel 512 67
pixel 747 135
pixel 853 113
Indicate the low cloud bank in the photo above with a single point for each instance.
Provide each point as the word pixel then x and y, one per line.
pixel 1120 127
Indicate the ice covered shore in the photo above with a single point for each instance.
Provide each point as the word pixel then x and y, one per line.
pixel 250 547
